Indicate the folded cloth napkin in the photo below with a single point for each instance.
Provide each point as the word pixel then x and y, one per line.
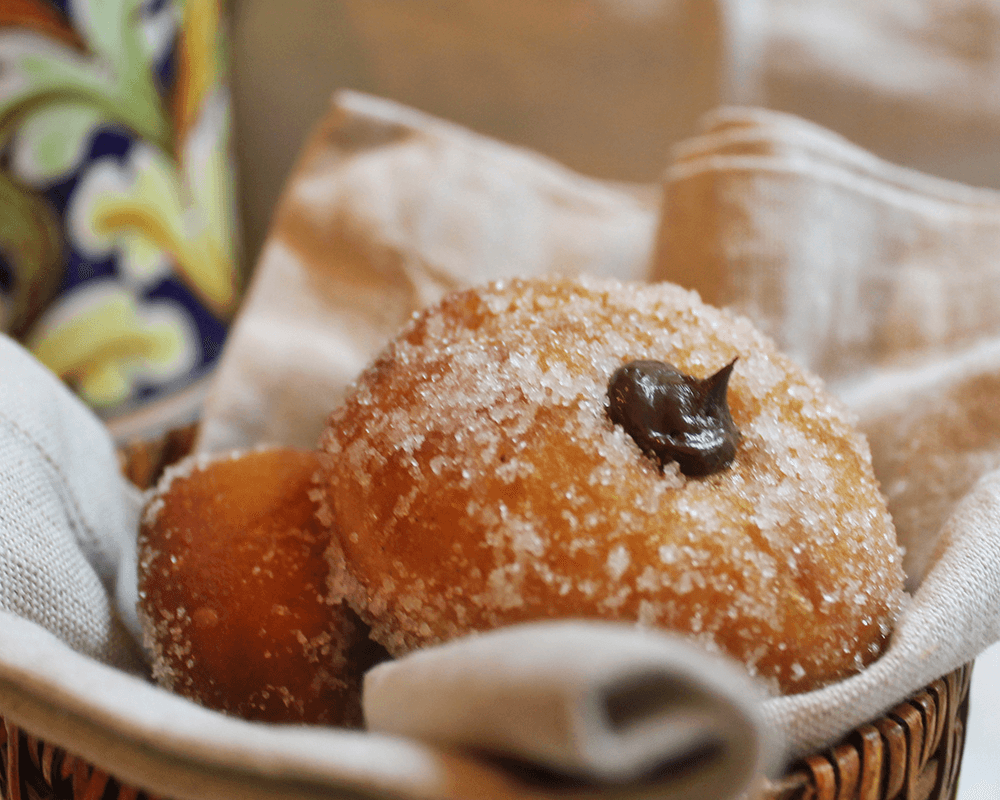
pixel 934 430
pixel 848 261
pixel 80 694
pixel 590 701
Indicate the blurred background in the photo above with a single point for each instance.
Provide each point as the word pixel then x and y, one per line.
pixel 608 86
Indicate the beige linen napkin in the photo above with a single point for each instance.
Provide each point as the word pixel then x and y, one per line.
pixel 934 429
pixel 589 700
pixel 63 536
pixel 151 739
pixel 849 262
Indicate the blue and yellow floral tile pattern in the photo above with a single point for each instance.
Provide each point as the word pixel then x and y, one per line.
pixel 118 264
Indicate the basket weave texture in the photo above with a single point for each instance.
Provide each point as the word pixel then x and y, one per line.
pixel 914 752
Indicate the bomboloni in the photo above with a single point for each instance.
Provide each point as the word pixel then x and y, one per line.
pixel 507 458
pixel 233 591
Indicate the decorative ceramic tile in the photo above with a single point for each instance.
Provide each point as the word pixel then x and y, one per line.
pixel 117 257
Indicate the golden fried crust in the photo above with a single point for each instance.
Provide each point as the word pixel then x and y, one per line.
pixel 233 595
pixel 474 480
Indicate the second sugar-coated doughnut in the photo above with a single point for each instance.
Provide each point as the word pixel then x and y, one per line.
pixel 233 591
pixel 474 478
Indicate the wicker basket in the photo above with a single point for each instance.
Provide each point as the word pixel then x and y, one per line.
pixel 912 753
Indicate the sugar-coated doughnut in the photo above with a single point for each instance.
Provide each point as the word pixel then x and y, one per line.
pixel 233 591
pixel 474 478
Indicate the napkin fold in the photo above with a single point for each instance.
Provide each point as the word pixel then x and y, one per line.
pixel 934 431
pixel 157 741
pixel 596 703
pixel 849 262
pixel 883 280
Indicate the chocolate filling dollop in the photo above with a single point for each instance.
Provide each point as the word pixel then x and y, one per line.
pixel 674 417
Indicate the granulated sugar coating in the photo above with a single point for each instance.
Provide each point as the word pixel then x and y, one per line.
pixel 474 480
pixel 233 597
